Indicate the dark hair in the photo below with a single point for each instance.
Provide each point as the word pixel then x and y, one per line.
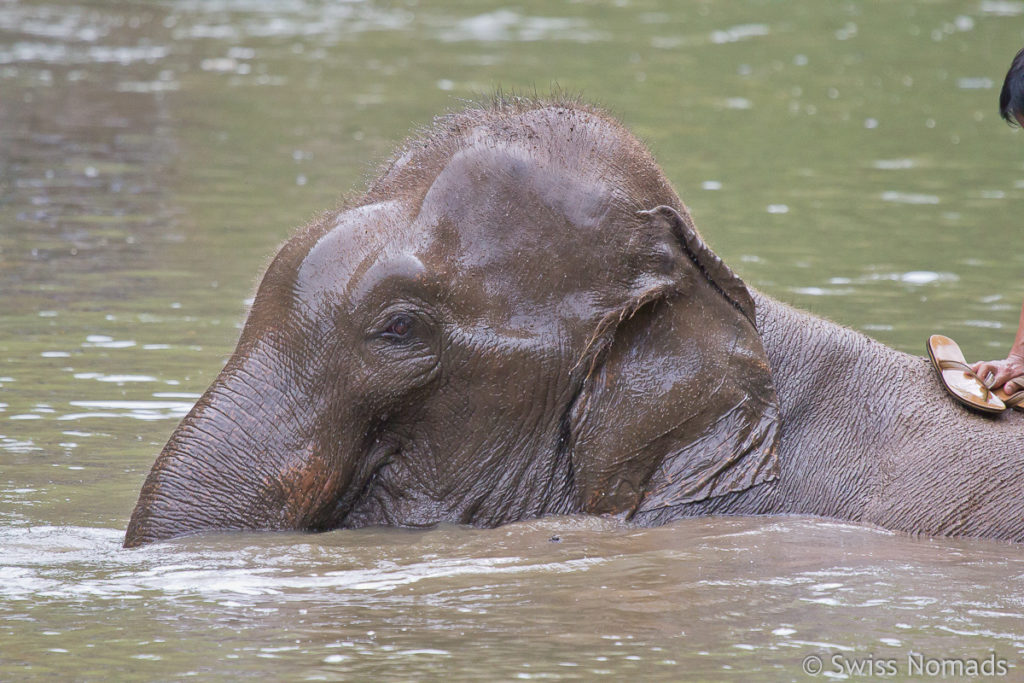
pixel 1011 100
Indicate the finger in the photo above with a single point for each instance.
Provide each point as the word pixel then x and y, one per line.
pixel 986 371
pixel 1014 385
pixel 1003 375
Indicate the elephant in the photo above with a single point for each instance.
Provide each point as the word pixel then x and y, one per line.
pixel 519 318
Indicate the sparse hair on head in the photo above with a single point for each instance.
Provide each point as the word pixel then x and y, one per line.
pixel 1011 99
pixel 561 132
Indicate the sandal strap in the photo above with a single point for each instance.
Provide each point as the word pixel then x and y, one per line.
pixel 957 365
pixel 1014 400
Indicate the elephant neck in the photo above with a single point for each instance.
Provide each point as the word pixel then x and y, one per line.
pixel 840 396
pixel 812 357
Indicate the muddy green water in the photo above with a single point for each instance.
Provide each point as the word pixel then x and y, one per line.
pixel 846 157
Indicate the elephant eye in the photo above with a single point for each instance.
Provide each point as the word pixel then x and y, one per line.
pixel 398 327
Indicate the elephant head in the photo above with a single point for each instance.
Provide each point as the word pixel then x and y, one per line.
pixel 518 318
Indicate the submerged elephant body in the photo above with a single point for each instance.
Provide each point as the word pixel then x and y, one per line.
pixel 519 318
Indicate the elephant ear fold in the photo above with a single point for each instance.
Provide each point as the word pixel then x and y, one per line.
pixel 679 406
pixel 681 224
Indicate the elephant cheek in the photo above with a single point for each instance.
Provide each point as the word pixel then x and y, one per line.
pixel 613 496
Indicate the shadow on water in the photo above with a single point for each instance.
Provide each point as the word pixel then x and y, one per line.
pixel 845 157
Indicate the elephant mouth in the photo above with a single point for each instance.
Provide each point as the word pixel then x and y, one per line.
pixel 362 489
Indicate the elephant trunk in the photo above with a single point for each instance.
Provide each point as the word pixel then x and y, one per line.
pixel 244 458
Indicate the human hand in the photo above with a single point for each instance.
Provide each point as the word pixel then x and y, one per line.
pixel 1008 373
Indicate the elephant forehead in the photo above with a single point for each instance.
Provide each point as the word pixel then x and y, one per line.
pixel 520 224
pixel 351 256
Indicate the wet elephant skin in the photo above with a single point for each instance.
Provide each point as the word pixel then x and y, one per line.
pixel 519 318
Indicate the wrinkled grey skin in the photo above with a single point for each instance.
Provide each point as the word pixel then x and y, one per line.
pixel 519 318
pixel 869 436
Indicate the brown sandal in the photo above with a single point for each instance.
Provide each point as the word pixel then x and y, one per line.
pixel 959 380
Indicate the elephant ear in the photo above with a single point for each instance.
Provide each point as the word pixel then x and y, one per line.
pixel 679 404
